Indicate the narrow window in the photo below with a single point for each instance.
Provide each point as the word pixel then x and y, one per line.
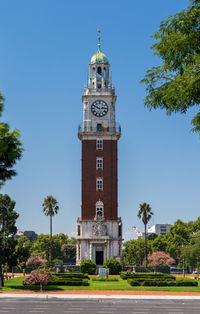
pixel 99 209
pixel 99 212
pixel 99 184
pixel 119 250
pixel 99 144
pixel 99 75
pixel 99 127
pixel 79 251
pixel 93 72
pixel 78 230
pixel 99 163
pixel 120 230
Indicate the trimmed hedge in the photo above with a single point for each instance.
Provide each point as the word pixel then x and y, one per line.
pixel 70 275
pixel 147 276
pixel 69 279
pixel 105 279
pixel 189 283
pixel 163 283
pixel 73 282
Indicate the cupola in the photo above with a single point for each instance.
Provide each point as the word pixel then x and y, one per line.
pixel 99 69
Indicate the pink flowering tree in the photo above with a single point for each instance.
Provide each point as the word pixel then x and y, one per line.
pixel 160 258
pixel 38 276
pixel 35 261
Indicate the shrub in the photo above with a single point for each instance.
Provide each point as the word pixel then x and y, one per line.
pixel 189 283
pixel 158 283
pixel 69 279
pixel 133 282
pixel 105 279
pixel 160 258
pixel 35 261
pixel 114 266
pixel 162 283
pixel 39 276
pixel 70 275
pixel 146 276
pixel 69 282
pixel 88 267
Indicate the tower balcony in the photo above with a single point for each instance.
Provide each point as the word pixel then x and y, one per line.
pixel 99 130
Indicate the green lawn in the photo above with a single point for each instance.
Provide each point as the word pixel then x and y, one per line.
pixel 16 284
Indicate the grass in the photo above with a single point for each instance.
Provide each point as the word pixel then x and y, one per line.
pixel 16 284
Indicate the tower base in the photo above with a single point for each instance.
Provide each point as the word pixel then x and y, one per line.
pixel 98 240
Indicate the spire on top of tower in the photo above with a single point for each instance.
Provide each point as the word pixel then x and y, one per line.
pixel 99 39
pixel 99 57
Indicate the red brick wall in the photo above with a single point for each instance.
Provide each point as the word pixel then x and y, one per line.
pixel 89 175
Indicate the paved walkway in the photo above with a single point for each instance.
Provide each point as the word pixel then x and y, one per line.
pixel 101 294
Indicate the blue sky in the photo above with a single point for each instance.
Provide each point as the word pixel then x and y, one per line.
pixel 45 49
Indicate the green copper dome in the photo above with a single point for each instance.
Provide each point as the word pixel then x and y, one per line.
pixel 99 57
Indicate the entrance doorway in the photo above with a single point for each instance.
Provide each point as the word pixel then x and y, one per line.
pixel 99 257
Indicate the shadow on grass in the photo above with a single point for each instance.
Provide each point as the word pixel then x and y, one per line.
pixel 32 288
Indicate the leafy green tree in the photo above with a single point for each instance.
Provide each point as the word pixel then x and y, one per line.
pixel 50 208
pixel 194 226
pixel 177 236
pixel 145 213
pixel 23 251
pixel 159 244
pixel 42 244
pixel 10 148
pixel 8 229
pixel 69 251
pixel 174 85
pixel 58 241
pixel 134 252
pixel 152 236
pixel 72 240
pixel 191 252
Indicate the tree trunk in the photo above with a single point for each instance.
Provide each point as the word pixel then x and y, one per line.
pixel 13 270
pixel 145 244
pixel 50 253
pixel 1 277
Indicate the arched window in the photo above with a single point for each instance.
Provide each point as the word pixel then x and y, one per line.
pixel 99 209
pixel 93 72
pixel 99 73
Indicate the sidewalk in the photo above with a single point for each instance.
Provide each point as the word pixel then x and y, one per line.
pixel 101 294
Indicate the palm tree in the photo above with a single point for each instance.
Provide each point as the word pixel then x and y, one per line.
pixel 50 208
pixel 145 212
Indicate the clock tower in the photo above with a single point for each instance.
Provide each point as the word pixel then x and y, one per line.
pixel 99 229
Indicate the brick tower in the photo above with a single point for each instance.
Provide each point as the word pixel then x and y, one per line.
pixel 99 230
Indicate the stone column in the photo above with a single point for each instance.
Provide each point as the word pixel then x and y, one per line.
pixel 90 243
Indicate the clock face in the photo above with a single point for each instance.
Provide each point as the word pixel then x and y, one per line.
pixel 99 108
